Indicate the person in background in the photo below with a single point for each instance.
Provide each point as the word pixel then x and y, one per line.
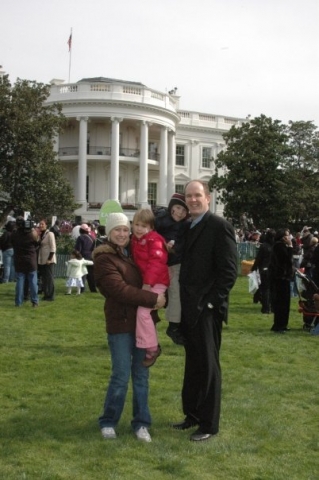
pixel 172 223
pixel 55 229
pixel 76 268
pixel 307 260
pixel 25 243
pixel 85 245
pixel 120 282
pixel 280 275
pixel 306 237
pixel 8 253
pixel 46 260
pixel 101 235
pixel 75 233
pixel 208 273
pixel 150 255
pixel 92 230
pixel 261 264
pixel 296 256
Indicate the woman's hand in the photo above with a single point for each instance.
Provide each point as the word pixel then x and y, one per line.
pixel 161 301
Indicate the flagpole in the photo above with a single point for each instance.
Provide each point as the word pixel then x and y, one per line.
pixel 70 54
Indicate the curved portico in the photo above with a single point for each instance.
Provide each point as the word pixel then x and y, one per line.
pixel 124 132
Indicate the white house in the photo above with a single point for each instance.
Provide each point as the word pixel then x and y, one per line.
pixel 127 142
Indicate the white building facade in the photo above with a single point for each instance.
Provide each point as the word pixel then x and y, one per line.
pixel 130 143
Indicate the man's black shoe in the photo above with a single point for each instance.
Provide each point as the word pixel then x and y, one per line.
pixel 185 424
pixel 199 436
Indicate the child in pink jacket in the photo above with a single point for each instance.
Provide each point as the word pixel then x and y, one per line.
pixel 150 255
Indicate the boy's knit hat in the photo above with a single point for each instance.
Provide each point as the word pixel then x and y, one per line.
pixel 116 220
pixel 177 199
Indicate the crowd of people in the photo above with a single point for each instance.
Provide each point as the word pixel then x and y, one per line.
pixel 280 256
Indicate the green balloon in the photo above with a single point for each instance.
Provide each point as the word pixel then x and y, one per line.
pixel 109 206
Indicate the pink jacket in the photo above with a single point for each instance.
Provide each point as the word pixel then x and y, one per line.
pixel 150 255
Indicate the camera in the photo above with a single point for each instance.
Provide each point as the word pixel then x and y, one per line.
pixel 25 225
pixel 29 224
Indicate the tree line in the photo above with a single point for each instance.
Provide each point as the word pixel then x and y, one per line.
pixel 31 176
pixel 270 171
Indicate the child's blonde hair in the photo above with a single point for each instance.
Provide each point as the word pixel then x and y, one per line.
pixel 145 215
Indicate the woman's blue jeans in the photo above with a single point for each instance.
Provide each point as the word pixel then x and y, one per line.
pixel 126 363
pixel 8 266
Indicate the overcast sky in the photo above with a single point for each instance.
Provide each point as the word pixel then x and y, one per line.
pixel 226 57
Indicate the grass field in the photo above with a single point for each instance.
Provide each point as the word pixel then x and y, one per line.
pixel 54 369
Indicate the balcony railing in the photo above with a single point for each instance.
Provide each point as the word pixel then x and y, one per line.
pixel 68 151
pixel 124 152
pixel 99 151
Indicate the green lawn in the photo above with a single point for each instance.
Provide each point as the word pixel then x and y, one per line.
pixel 54 369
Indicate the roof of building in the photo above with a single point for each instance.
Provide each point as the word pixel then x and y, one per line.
pixel 109 80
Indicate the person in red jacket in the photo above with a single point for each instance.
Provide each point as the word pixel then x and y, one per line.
pixel 150 254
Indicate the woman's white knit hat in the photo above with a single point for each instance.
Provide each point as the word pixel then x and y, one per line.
pixel 116 220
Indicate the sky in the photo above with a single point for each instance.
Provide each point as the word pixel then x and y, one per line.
pixel 226 57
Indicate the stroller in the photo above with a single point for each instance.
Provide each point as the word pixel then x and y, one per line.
pixel 306 290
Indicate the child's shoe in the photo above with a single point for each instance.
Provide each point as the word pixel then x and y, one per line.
pixel 148 362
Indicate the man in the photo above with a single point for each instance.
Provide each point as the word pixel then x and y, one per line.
pixel 208 272
pixel 55 229
pixel 25 243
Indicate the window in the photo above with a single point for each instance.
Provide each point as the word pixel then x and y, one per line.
pixel 179 189
pixel 206 157
pixel 152 194
pixel 180 155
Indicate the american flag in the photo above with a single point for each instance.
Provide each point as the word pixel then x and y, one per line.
pixel 70 41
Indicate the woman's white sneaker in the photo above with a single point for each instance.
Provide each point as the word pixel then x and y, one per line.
pixel 108 432
pixel 143 435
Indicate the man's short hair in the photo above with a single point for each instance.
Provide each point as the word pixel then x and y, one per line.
pixel 204 184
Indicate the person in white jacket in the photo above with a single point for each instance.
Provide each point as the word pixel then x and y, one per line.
pixel 76 268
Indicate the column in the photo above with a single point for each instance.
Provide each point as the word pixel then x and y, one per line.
pixel 56 143
pixel 82 165
pixel 195 159
pixel 115 159
pixel 163 169
pixel 171 164
pixel 143 199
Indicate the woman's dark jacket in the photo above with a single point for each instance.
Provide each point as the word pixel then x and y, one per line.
pixel 119 281
pixel 280 267
pixel 6 241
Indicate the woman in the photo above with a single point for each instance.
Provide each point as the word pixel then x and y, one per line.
pixel 280 276
pixel 119 281
pixel 85 245
pixel 46 260
pixel 262 263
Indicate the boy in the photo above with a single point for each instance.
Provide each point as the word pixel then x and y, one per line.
pixel 172 224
